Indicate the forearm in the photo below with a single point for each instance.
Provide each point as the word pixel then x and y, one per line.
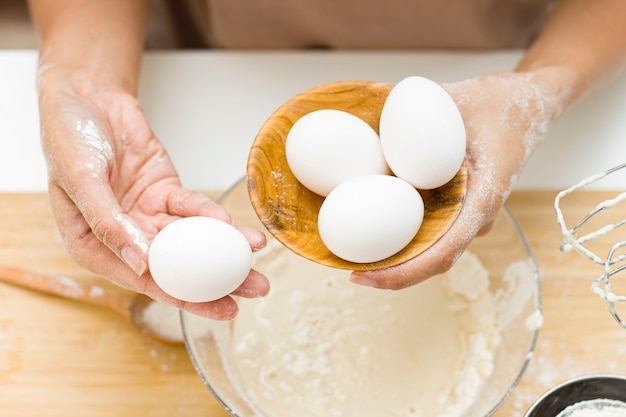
pixel 91 43
pixel 582 45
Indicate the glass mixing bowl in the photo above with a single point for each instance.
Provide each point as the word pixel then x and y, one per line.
pixel 518 316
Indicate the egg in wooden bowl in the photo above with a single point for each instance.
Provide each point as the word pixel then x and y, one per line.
pixel 290 211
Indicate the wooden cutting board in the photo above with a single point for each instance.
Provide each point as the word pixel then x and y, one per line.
pixel 63 358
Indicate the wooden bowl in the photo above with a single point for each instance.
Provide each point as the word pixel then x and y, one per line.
pixel 289 210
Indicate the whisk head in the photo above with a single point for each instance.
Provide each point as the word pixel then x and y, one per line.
pixel 614 261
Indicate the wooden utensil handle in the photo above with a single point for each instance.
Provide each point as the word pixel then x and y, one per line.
pixel 92 290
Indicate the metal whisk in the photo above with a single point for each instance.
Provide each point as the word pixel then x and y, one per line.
pixel 571 241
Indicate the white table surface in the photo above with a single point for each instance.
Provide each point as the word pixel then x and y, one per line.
pixel 206 107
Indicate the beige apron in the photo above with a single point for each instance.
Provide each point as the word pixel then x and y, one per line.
pixel 371 24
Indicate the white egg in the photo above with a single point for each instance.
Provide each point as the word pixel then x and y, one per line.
pixel 326 147
pixel 422 133
pixel 369 218
pixel 199 259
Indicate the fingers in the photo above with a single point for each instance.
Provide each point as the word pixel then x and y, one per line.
pixel 111 193
pixel 255 285
pixel 485 229
pixel 185 203
pixel 224 308
pixel 80 237
pixel 256 238
pixel 439 258
pixel 436 260
pixel 115 229
pixel 95 248
pixel 85 205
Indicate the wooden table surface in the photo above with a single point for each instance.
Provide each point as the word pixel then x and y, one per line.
pixel 60 357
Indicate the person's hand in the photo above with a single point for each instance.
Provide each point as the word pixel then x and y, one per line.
pixel 112 187
pixel 506 115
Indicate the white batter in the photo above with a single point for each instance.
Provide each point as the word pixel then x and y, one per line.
pixel 319 345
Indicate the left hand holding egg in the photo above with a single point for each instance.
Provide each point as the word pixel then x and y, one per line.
pixel 200 261
pixel 506 116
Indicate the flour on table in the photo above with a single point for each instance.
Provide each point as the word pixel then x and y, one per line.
pixel 319 345
pixel 163 320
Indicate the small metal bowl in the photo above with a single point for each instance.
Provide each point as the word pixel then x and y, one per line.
pixel 573 391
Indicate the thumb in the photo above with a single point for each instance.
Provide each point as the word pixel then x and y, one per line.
pixel 485 228
pixel 111 226
pixel 133 249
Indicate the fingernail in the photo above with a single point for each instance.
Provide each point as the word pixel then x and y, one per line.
pixel 134 260
pixel 366 282
pixel 257 240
